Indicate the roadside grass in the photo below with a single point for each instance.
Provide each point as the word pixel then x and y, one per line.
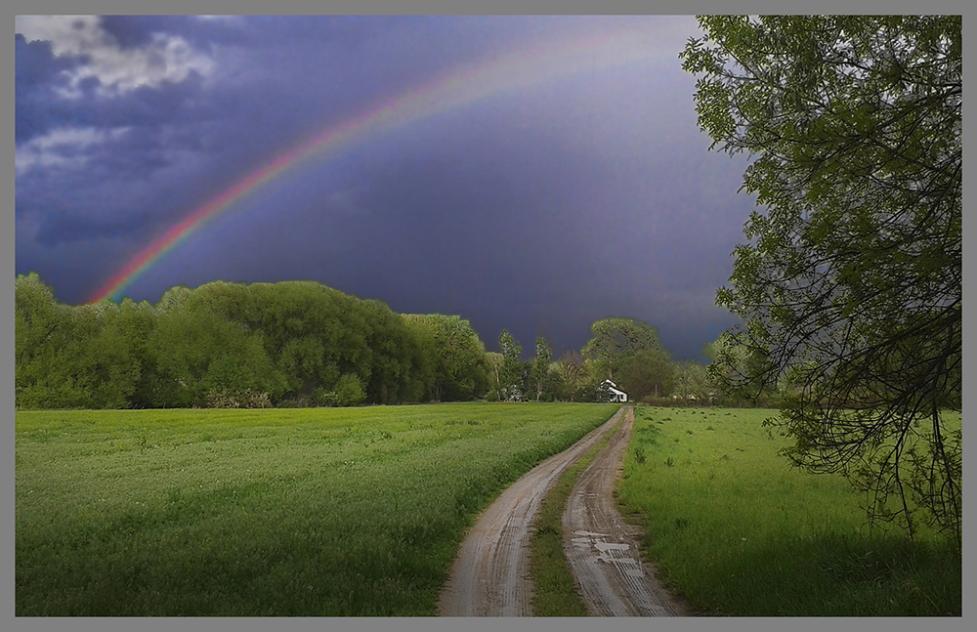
pixel 554 588
pixel 278 512
pixel 737 531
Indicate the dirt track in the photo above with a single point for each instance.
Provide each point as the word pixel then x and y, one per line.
pixel 603 551
pixel 490 576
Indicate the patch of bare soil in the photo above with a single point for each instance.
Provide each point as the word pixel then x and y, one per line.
pixel 490 576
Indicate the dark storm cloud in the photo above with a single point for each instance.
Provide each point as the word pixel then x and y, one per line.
pixel 539 211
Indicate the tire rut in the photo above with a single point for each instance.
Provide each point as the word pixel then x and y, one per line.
pixel 490 576
pixel 604 551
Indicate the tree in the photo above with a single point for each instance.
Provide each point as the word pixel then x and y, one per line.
pixel 541 367
pixel 493 360
pixel 576 380
pixel 645 372
pixel 347 391
pixel 231 344
pixel 691 381
pixel 613 339
pixel 44 343
pixel 457 364
pixel 511 376
pixel 731 362
pixel 90 356
pixel 202 357
pixel 849 284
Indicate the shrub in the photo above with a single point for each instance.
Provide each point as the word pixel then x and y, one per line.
pixel 244 398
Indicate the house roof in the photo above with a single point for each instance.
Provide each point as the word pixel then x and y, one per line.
pixel 611 386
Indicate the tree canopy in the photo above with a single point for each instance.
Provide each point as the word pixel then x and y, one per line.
pixel 230 344
pixel 849 283
pixel 300 344
pixel 614 339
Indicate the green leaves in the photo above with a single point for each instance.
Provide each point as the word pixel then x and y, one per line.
pixel 849 282
pixel 292 343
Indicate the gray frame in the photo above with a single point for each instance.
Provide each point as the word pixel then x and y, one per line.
pixel 10 8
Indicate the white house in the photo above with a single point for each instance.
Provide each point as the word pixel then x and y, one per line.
pixel 615 394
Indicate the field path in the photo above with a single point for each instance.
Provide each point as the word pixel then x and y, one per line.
pixel 490 576
pixel 602 549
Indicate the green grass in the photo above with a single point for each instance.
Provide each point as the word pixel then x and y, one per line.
pixel 738 531
pixel 263 512
pixel 554 589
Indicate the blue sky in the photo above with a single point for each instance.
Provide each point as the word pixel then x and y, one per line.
pixel 540 210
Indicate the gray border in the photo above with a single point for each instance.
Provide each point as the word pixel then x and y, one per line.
pixel 10 8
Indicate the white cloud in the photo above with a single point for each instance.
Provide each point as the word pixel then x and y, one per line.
pixel 63 147
pixel 164 58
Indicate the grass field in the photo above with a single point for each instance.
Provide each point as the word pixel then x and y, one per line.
pixel 737 531
pixel 263 512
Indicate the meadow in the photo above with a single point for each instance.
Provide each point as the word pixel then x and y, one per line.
pixel 737 531
pixel 323 511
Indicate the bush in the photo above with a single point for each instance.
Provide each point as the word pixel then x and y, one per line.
pixel 349 390
pixel 246 398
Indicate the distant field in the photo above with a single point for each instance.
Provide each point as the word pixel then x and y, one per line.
pixel 263 512
pixel 739 532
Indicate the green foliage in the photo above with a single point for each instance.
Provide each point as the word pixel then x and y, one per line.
pixel 630 353
pixel 646 372
pixel 737 533
pixel 493 364
pixel 849 285
pixel 575 380
pixel 86 357
pixel 614 339
pixel 349 390
pixel 731 365
pixel 512 374
pixel 229 344
pixel 540 372
pixel 455 367
pixel 281 512
pixel 691 383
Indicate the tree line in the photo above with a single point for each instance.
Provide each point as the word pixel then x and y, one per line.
pixel 300 343
pixel 228 344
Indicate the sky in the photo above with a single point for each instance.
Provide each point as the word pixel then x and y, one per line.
pixel 581 188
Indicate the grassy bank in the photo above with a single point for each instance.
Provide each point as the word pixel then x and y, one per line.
pixel 738 531
pixel 263 512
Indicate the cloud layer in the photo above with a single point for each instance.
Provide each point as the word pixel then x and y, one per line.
pixel 538 210
pixel 117 69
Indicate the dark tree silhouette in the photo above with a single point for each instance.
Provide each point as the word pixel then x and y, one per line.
pixel 849 285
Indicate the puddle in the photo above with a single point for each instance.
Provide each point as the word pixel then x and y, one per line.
pixel 603 547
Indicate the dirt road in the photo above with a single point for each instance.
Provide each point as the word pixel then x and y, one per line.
pixel 603 550
pixel 490 576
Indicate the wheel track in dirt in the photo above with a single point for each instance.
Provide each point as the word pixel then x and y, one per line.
pixel 604 551
pixel 490 575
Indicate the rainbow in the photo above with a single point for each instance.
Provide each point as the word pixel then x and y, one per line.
pixel 460 86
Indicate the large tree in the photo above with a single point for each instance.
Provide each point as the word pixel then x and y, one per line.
pixel 459 368
pixel 849 284
pixel 575 379
pixel 645 372
pixel 541 367
pixel 512 374
pixel 613 340
pixel 691 381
